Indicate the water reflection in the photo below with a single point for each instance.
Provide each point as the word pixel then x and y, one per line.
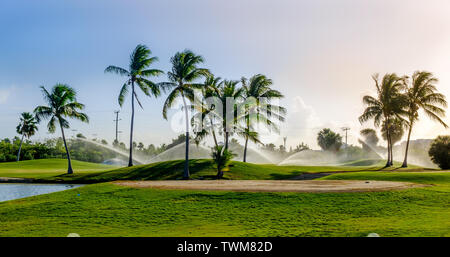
pixel 18 190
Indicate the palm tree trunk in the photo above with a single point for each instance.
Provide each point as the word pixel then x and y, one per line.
pixel 405 161
pixel 20 148
pixel 69 169
pixel 219 173
pixel 245 149
pixel 214 133
pixel 130 160
pixel 391 163
pixel 186 161
pixel 226 140
pixel 388 146
pixel 246 137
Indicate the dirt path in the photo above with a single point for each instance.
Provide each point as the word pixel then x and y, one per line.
pixel 318 186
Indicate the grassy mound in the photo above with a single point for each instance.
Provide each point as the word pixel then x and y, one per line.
pixel 366 162
pixel 201 169
pixel 54 170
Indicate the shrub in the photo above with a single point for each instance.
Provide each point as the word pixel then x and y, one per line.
pixel 440 152
pixel 222 158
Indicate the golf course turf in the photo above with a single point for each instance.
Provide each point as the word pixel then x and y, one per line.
pixel 106 209
pixel 54 170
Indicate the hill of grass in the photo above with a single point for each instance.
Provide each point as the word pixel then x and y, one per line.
pixel 54 170
pixel 48 168
pixel 204 169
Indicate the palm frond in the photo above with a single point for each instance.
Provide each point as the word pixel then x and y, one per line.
pixel 170 101
pixel 123 93
pixel 117 70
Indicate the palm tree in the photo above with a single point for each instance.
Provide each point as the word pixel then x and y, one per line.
pixel 137 73
pixel 61 104
pixel 388 103
pixel 227 90
pixel 27 128
pixel 396 130
pixel 257 107
pixel 421 94
pixel 204 120
pixel 222 158
pixel 182 77
pixel 249 134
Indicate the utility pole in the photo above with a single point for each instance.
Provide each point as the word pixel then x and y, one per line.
pixel 346 129
pixel 117 125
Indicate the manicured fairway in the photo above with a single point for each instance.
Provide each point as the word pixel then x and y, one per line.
pixel 54 170
pixel 112 210
pixel 47 168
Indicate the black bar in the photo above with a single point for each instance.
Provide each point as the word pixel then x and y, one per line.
pixel 220 246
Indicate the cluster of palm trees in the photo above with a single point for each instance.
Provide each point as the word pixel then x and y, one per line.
pixel 251 98
pixel 397 103
pixel 184 78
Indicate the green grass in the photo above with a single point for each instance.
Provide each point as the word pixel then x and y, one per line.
pixel 111 210
pixel 47 168
pixel 54 170
pixel 437 178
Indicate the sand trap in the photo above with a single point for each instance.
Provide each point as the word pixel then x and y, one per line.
pixel 274 185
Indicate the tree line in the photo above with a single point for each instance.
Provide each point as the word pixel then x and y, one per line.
pixel 395 106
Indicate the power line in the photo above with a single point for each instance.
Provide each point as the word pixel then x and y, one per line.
pixel 345 129
pixel 117 125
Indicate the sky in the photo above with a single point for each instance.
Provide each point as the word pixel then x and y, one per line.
pixel 320 54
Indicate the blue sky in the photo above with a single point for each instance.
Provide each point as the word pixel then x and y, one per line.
pixel 320 54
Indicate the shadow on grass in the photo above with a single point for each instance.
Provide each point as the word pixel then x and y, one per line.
pixel 157 171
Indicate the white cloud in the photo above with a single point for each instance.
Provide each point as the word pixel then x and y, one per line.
pixel 302 123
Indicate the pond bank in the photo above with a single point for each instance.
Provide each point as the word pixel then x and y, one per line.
pixel 15 180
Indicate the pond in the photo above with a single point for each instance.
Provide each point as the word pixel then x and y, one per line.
pixel 13 191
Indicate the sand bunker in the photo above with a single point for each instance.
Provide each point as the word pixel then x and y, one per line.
pixel 318 186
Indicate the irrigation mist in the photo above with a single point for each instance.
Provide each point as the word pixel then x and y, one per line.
pixel 418 154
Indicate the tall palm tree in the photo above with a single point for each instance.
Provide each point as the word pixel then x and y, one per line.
pixel 228 92
pixel 421 94
pixel 182 77
pixel 258 108
pixel 388 103
pixel 61 104
pixel 248 134
pixel 205 117
pixel 137 73
pixel 27 128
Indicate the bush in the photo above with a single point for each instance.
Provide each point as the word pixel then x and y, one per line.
pixel 440 152
pixel 222 158
pixel 11 158
pixel 28 156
